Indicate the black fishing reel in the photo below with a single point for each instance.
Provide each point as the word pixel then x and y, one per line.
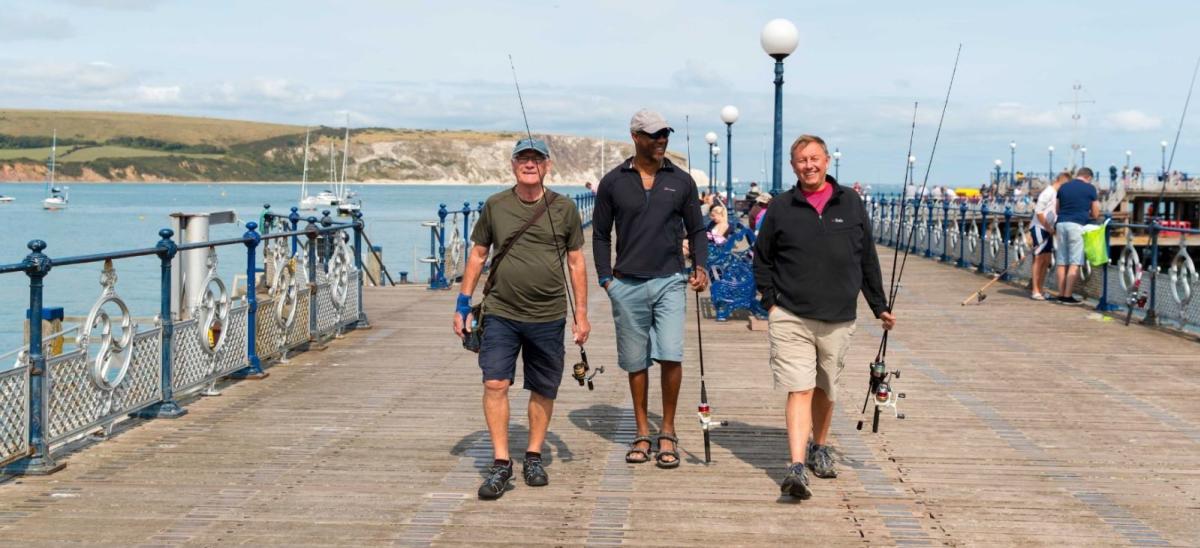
pixel 880 389
pixel 1136 299
pixel 580 371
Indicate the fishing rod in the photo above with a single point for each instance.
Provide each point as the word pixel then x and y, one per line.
pixel 1136 297
pixel 704 410
pixel 879 382
pixel 579 371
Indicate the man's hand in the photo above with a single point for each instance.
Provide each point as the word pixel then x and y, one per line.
pixel 581 329
pixel 462 315
pixel 888 319
pixel 698 280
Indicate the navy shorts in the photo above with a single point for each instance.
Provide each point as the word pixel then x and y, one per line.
pixel 541 348
pixel 1042 242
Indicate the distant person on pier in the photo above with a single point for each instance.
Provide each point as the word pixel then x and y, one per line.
pixel 719 228
pixel 588 186
pixel 758 210
pixel 753 192
pixel 524 305
pixel 653 205
pixel 813 256
pixel 1078 203
pixel 1045 214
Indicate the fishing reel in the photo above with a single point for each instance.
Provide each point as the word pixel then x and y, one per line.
pixel 881 391
pixel 1136 299
pixel 580 371
pixel 706 421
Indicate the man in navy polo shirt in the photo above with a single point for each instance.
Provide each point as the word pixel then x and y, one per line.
pixel 652 203
pixel 1077 205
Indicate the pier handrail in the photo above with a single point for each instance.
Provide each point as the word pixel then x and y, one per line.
pixel 313 298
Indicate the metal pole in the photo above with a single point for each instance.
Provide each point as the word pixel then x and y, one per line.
pixel 1012 166
pixel 962 235
pixel 1005 238
pixel 729 172
pixel 294 218
pixel 358 263
pixel 311 232
pixel 711 182
pixel 777 174
pixel 1103 305
pixel 929 229
pixel 437 278
pixel 945 230
pixel 168 408
pixel 1151 314
pixel 254 370
pixel 39 462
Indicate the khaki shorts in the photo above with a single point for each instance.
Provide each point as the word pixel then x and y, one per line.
pixel 807 353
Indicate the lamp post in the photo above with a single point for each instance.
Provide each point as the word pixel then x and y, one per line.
pixel 1128 158
pixel 1082 156
pixel 711 139
pixel 716 168
pixel 911 161
pixel 1163 171
pixel 729 115
pixel 779 39
pixel 837 164
pixel 1050 175
pixel 996 184
pixel 1012 164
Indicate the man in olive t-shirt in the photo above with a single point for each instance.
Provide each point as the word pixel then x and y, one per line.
pixel 525 308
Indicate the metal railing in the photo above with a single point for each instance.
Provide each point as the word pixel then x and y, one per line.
pixel 993 237
pixel 447 257
pixel 312 292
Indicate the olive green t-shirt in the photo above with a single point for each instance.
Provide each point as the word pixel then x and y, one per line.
pixel 530 286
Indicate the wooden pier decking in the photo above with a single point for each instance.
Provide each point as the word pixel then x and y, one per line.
pixel 1028 423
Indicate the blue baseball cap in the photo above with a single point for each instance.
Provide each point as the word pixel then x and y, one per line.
pixel 531 144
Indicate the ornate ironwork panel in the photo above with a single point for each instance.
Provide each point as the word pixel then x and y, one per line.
pixel 189 364
pixel 14 413
pixel 298 333
pixel 327 314
pixel 350 308
pixel 269 337
pixel 77 402
pixel 233 354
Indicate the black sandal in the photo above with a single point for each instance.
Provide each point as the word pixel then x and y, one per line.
pixel 635 450
pixel 674 452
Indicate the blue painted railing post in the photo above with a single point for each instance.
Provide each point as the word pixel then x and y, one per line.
pixel 983 239
pixel 437 274
pixel 326 241
pixel 294 218
pixel 962 235
pixel 362 322
pixel 168 408
pixel 1103 305
pixel 908 239
pixel 254 369
pixel 1151 311
pixel 929 228
pixel 1005 237
pixel 945 230
pixel 311 231
pixel 895 224
pixel 39 462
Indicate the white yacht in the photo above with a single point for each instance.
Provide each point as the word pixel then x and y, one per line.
pixel 6 199
pixel 56 198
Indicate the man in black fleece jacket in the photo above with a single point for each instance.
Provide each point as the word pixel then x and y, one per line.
pixel 813 256
pixel 653 204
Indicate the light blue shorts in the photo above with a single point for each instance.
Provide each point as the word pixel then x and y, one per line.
pixel 649 315
pixel 1068 244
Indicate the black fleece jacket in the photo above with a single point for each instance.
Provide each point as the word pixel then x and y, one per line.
pixel 651 224
pixel 814 265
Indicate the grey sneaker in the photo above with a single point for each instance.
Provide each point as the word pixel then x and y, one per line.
pixel 535 474
pixel 795 484
pixel 820 461
pixel 496 482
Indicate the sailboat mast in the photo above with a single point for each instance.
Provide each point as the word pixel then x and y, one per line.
pixel 53 153
pixel 345 158
pixel 304 176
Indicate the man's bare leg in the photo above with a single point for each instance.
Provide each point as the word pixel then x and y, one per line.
pixel 672 379
pixel 1041 264
pixel 541 409
pixel 1072 275
pixel 799 422
pixel 1061 273
pixel 639 390
pixel 495 410
pixel 822 416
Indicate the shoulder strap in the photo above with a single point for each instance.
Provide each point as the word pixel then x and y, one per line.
pixel 537 214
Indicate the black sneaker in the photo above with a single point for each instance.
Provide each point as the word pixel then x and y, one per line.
pixel 535 475
pixel 820 461
pixel 496 482
pixel 1069 300
pixel 796 482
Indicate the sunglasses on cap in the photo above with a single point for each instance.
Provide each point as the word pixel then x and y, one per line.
pixel 660 134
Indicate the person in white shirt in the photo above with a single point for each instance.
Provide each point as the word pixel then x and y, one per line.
pixel 1045 213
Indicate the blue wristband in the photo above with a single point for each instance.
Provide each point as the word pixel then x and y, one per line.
pixel 463 307
pixel 604 280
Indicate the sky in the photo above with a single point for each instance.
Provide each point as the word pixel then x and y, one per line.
pixel 585 67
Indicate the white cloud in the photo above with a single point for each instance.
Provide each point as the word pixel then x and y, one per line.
pixel 52 78
pixel 158 94
pixel 696 75
pixel 1019 115
pixel 1132 120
